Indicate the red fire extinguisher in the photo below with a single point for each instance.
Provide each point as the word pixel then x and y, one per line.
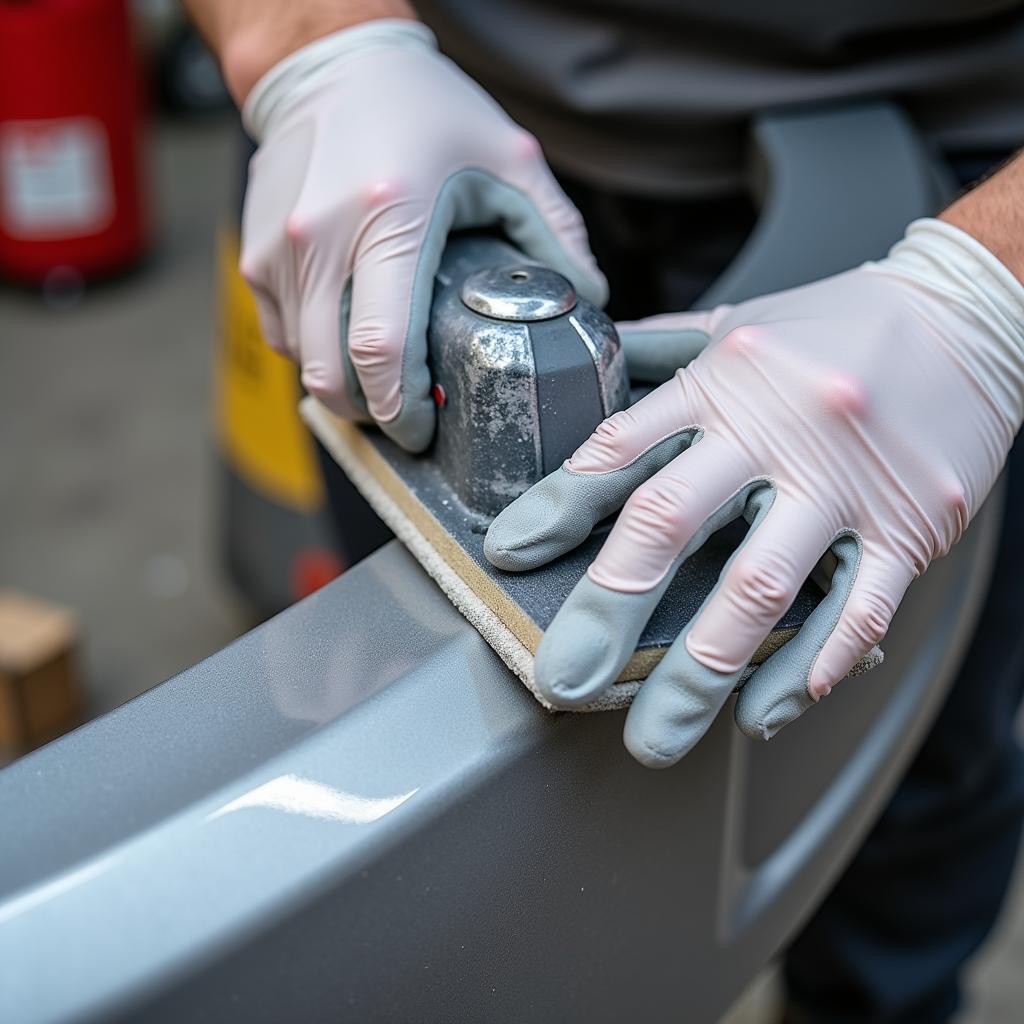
pixel 70 132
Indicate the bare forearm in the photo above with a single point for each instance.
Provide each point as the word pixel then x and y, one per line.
pixel 250 36
pixel 993 213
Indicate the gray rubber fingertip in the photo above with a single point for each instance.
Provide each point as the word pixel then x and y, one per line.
pixel 534 529
pixel 413 427
pixel 507 559
pixel 575 661
pixel 761 722
pixel 776 694
pixel 591 285
pixel 642 751
pixel 656 740
pixel 652 356
pixel 502 552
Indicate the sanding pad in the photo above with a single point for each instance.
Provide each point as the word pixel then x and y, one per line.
pixel 512 610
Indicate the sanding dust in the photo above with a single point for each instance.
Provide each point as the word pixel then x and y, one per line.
pixel 340 439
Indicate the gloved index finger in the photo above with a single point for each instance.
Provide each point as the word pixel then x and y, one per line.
pixel 559 512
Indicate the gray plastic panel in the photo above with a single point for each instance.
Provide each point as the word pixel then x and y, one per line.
pixel 356 813
pixel 837 187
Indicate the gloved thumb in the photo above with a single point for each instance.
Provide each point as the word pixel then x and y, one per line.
pixel 659 345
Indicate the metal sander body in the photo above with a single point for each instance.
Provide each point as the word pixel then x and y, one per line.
pixel 523 371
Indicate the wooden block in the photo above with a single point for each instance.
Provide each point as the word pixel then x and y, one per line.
pixel 40 692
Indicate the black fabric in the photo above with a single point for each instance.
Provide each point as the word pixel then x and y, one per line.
pixel 660 255
pixel 654 97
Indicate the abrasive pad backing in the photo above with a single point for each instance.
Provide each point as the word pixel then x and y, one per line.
pixel 512 610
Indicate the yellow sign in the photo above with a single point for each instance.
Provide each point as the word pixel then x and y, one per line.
pixel 257 396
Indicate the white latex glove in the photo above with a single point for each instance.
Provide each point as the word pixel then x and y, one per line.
pixel 373 147
pixel 870 412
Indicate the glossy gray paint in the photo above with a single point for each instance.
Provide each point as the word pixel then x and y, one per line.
pixel 380 823
pixel 356 813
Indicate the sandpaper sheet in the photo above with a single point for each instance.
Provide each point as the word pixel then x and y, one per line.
pixel 512 610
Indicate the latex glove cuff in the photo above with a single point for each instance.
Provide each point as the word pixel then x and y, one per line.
pixel 290 81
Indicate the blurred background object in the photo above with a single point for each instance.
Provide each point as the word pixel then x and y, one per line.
pixel 118 252
pixel 185 73
pixel 72 201
pixel 40 695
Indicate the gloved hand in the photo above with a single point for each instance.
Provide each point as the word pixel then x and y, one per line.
pixel 870 412
pixel 373 147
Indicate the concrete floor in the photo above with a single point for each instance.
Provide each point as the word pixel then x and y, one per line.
pixel 108 478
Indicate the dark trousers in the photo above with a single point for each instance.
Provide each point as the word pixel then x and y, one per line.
pixel 924 891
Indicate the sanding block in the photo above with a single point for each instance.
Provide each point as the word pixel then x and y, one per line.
pixel 523 371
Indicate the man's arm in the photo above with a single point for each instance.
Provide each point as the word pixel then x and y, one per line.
pixel 250 36
pixel 993 212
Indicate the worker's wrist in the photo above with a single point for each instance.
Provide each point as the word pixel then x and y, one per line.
pixel 289 81
pixel 993 213
pixel 249 49
pixel 980 304
pixel 944 255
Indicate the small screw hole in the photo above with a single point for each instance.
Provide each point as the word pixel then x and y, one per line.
pixel 519 275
